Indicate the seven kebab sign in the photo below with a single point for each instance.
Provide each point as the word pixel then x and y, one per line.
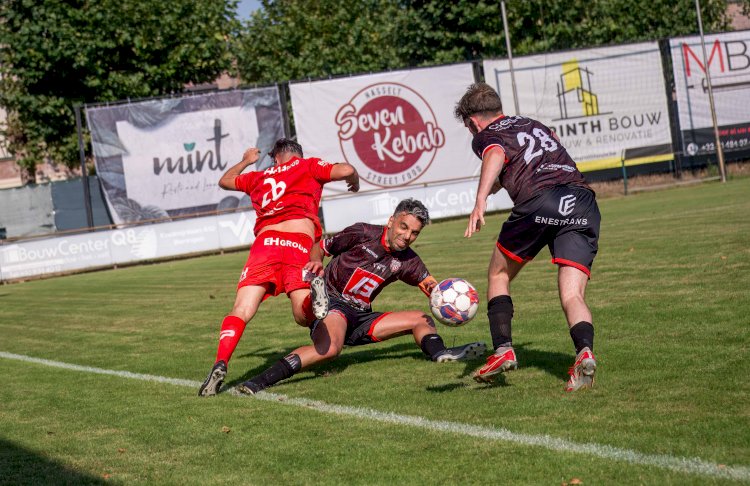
pixel 391 130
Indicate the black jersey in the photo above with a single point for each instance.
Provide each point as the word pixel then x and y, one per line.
pixel 363 265
pixel 534 159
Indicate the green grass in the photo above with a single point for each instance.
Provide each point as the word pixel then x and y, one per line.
pixel 670 295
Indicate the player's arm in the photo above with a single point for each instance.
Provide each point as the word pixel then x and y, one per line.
pixel 346 172
pixel 492 164
pixel 315 265
pixel 250 157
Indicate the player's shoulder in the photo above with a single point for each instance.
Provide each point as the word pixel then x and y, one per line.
pixel 371 230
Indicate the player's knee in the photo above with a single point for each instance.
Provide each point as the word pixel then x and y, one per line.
pixel 331 351
pixel 244 312
pixel 301 319
pixel 572 300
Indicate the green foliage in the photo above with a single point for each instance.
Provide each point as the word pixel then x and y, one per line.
pixel 55 54
pixel 539 25
pixel 292 39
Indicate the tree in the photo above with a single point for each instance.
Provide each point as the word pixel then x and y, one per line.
pixel 55 54
pixel 295 39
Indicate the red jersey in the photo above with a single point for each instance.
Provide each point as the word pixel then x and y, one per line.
pixel 288 191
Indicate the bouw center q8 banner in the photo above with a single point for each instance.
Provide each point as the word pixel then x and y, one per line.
pixel 164 158
pixel 603 103
pixel 396 128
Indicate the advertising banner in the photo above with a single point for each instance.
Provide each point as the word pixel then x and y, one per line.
pixel 442 201
pixel 729 68
pixel 600 102
pixel 163 158
pixel 396 128
pixel 127 245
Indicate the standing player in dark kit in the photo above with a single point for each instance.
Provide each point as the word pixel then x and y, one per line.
pixel 366 258
pixel 285 198
pixel 553 206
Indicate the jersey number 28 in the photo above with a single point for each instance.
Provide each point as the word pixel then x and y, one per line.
pixel 545 142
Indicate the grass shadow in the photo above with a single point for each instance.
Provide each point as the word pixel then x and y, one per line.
pixel 363 354
pixel 23 466
pixel 551 362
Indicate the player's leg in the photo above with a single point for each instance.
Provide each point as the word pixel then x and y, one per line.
pixel 245 306
pixel 422 328
pixel 328 340
pixel 504 266
pixel 572 286
pixel 309 304
pixel 574 249
pixel 306 291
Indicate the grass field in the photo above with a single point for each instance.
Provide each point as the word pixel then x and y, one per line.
pixel 671 300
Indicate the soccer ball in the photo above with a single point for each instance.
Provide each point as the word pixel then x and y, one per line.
pixel 454 302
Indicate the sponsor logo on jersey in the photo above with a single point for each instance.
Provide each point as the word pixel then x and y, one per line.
pixel 508 121
pixel 567 204
pixel 361 285
pixel 395 265
pixel 389 133
pixel 279 169
pixel 372 253
pixel 275 241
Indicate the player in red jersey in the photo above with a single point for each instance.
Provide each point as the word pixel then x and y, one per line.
pixel 552 206
pixel 285 198
pixel 366 258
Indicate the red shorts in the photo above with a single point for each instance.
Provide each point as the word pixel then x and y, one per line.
pixel 276 258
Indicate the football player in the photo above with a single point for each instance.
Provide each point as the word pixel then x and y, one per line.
pixel 285 197
pixel 367 258
pixel 552 206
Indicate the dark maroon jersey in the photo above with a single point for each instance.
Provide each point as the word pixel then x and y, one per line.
pixel 363 265
pixel 534 159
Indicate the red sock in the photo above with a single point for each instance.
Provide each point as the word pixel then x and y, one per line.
pixel 231 331
pixel 307 309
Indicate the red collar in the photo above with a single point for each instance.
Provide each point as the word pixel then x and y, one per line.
pixel 384 240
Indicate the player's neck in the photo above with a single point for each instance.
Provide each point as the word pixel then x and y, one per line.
pixel 484 122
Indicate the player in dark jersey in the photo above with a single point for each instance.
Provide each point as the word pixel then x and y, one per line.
pixel 285 198
pixel 552 206
pixel 366 258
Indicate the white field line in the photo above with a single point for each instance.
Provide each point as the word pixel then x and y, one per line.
pixel 684 465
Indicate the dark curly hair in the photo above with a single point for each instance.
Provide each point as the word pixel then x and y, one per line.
pixel 286 145
pixel 415 208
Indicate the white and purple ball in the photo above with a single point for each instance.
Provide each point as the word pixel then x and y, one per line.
pixel 454 302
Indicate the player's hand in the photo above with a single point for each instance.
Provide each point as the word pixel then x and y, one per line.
pixel 476 221
pixel 352 182
pixel 251 155
pixel 315 267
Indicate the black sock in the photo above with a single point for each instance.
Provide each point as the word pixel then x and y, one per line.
pixel 583 336
pixel 500 313
pixel 432 345
pixel 280 370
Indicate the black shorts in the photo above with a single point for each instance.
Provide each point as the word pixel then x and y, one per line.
pixel 359 323
pixel 564 218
